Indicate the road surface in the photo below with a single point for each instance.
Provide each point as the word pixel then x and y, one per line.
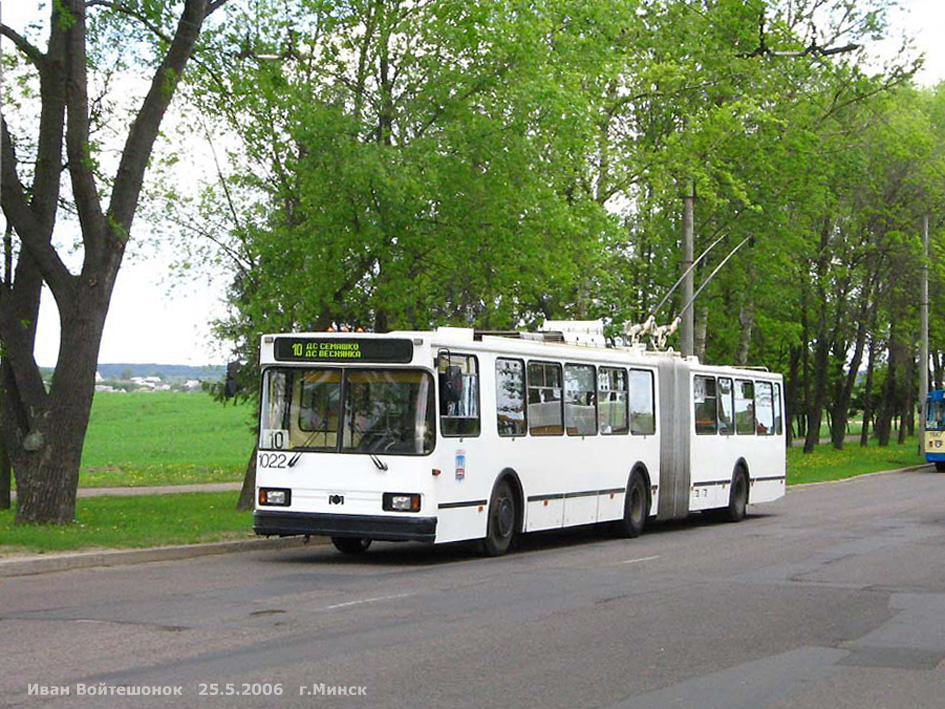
pixel 832 597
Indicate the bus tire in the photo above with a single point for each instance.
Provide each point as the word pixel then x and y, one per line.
pixel 351 545
pixel 636 507
pixel 500 528
pixel 940 466
pixel 737 496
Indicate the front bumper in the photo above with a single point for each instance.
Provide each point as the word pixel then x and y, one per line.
pixel 382 528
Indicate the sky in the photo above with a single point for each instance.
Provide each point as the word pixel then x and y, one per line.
pixel 155 318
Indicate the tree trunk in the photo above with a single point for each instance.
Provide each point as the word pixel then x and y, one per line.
pixel 844 394
pixel 790 396
pixel 906 421
pixel 6 478
pixel 45 445
pixel 890 393
pixel 247 499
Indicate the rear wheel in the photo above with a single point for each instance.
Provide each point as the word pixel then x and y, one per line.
pixel 738 496
pixel 636 507
pixel 501 525
pixel 351 545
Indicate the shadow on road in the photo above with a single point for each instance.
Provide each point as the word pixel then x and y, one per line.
pixel 412 554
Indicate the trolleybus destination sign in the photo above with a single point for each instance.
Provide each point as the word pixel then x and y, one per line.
pixel 339 349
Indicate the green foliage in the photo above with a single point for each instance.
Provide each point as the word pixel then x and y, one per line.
pixel 495 164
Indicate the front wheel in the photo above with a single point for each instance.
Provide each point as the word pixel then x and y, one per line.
pixel 940 466
pixel 501 526
pixel 351 545
pixel 636 507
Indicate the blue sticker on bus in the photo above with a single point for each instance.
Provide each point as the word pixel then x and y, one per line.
pixel 460 465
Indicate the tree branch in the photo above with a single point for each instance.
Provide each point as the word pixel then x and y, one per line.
pixel 84 189
pixel 36 57
pixel 144 130
pixel 31 229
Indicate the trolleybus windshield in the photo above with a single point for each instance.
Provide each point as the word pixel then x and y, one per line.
pixel 348 410
pixel 935 417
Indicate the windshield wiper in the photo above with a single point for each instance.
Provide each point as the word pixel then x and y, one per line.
pixel 381 465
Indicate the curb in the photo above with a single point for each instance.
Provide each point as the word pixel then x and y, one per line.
pixel 46 563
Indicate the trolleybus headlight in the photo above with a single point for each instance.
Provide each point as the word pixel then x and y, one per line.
pixel 401 502
pixel 276 497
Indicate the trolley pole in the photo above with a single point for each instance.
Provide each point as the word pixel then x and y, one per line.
pixel 687 325
pixel 924 334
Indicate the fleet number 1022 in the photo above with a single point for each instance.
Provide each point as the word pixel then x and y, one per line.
pixel 272 460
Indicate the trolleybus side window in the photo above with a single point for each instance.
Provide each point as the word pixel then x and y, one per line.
pixel 642 403
pixel 777 410
pixel 612 401
pixel 744 407
pixel 706 406
pixel 544 399
pixel 764 408
pixel 459 394
pixel 510 397
pixel 726 407
pixel 580 400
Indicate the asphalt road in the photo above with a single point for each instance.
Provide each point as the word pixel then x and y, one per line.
pixel 832 597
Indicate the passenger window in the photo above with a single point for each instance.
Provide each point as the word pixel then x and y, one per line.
pixel 706 406
pixel 726 407
pixel 459 394
pixel 580 400
pixel 744 408
pixel 764 409
pixel 612 401
pixel 642 405
pixel 510 397
pixel 778 429
pixel 544 399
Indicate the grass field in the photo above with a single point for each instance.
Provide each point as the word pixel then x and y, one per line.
pixel 133 522
pixel 165 438
pixel 825 463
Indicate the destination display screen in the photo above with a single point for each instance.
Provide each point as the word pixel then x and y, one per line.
pixel 342 349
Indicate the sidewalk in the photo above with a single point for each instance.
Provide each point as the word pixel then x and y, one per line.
pixel 157 490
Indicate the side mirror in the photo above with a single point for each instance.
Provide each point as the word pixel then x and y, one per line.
pixel 231 387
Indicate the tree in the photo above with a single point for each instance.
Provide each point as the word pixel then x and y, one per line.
pixel 43 431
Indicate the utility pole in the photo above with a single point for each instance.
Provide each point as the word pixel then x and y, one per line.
pixel 924 334
pixel 686 330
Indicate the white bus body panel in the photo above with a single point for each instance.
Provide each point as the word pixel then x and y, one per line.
pixel 565 480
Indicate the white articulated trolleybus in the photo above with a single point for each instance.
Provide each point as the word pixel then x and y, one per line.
pixel 457 435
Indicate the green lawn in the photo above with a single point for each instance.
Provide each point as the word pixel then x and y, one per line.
pixel 825 463
pixel 133 522
pixel 165 438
